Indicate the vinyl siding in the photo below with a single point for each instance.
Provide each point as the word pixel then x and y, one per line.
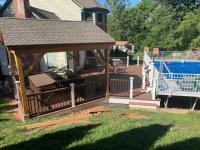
pixel 64 9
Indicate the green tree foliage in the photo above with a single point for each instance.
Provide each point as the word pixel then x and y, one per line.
pixel 117 19
pixel 167 24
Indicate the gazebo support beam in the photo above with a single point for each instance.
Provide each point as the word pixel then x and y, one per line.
pixel 24 99
pixel 107 78
pixel 61 48
pixel 34 64
pixel 75 54
pixel 95 52
pixel 100 54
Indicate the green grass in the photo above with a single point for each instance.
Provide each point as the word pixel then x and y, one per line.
pixel 109 131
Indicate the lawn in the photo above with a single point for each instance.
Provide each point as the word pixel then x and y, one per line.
pixel 107 131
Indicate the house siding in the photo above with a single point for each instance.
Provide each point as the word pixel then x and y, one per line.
pixel 4 60
pixel 64 9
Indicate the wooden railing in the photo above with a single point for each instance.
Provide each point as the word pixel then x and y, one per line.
pixel 80 96
pixel 95 87
pixel 46 102
pixel 120 87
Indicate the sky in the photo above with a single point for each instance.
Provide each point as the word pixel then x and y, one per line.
pixel 1 1
pixel 101 1
pixel 134 2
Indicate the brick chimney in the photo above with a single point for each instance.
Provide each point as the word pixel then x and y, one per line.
pixel 21 8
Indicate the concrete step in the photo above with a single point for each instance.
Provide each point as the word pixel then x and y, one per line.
pixel 145 104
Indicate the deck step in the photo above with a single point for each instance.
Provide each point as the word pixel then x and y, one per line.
pixel 145 104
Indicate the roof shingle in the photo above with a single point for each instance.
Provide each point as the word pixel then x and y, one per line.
pixel 88 3
pixel 16 32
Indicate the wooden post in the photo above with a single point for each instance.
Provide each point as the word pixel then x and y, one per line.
pixel 22 86
pixel 128 60
pixel 131 87
pixel 75 60
pixel 138 61
pixel 72 85
pixel 107 79
pixel 143 78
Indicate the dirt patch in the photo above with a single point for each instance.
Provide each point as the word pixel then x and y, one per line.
pixel 76 118
pixel 136 116
pixel 175 111
pixel 72 119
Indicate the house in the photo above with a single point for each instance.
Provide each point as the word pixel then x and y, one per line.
pixel 71 10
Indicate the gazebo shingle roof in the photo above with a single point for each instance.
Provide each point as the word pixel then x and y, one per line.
pixel 16 32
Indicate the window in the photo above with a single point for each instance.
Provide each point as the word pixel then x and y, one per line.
pixel 99 17
pixel 88 17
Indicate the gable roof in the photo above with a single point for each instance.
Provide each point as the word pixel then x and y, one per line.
pixel 88 3
pixel 43 13
pixel 17 32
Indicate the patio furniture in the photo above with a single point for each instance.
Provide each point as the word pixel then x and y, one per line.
pixel 41 83
pixel 118 65
pixel 111 68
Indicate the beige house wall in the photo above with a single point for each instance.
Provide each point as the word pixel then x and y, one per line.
pixel 64 9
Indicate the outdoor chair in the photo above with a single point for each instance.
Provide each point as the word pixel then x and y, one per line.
pixel 122 67
pixel 111 68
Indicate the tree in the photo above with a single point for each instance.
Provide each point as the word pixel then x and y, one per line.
pixel 167 24
pixel 182 5
pixel 117 19
pixel 187 34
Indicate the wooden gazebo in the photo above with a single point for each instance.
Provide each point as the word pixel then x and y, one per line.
pixel 30 36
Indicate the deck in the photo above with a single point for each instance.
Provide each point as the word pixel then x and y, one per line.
pixel 138 92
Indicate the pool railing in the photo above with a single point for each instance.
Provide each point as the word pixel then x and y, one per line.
pixel 169 83
pixel 178 84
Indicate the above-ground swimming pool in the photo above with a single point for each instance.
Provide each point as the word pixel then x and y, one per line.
pixel 183 67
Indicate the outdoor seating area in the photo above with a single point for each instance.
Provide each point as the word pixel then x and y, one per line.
pixel 57 89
